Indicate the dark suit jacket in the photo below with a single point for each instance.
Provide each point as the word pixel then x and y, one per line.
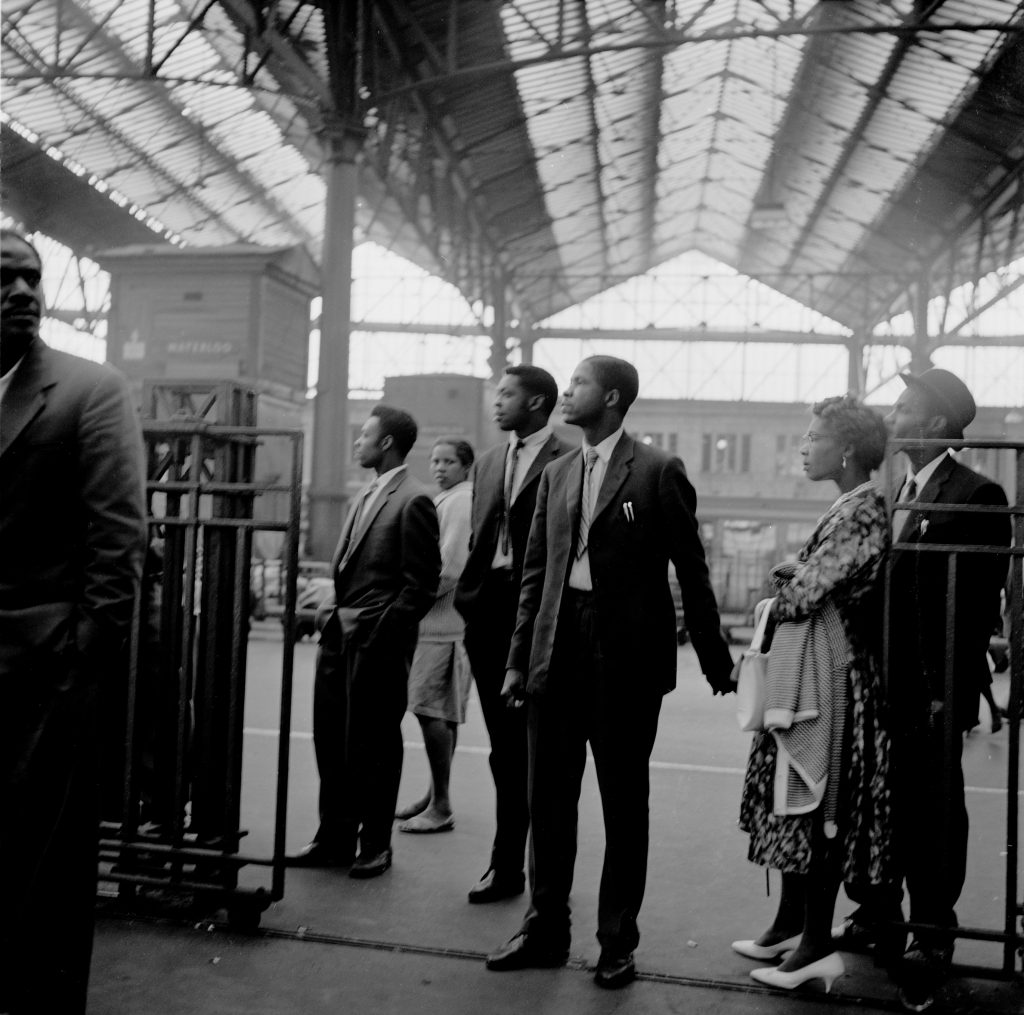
pixel 629 561
pixel 72 520
pixel 488 509
pixel 390 577
pixel 918 591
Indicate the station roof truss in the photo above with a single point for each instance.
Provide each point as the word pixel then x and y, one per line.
pixel 858 157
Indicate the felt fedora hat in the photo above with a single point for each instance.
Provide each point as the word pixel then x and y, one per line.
pixel 949 394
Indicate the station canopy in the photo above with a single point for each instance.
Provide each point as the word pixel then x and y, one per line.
pixel 848 154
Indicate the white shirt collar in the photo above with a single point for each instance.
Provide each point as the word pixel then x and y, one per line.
pixel 534 440
pixel 385 477
pixel 607 446
pixel 926 472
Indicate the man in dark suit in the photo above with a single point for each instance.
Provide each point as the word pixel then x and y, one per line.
pixel 930 710
pixel 72 538
pixel 593 653
pixel 505 482
pixel 386 571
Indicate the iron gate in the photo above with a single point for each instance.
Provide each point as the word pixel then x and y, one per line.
pixel 171 799
pixel 1011 933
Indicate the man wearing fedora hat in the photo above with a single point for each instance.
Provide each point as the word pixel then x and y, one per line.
pixel 929 715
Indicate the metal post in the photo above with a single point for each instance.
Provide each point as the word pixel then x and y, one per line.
pixel 920 350
pixel 855 381
pixel 498 358
pixel 331 438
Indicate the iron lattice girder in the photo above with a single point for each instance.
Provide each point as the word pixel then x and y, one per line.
pixel 91 43
pixel 538 333
pixel 667 38
pixel 450 171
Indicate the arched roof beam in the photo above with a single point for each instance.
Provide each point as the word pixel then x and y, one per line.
pixel 95 34
pixel 387 18
pixel 918 18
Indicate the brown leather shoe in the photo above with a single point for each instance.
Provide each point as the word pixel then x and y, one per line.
pixel 615 971
pixel 494 886
pixel 522 952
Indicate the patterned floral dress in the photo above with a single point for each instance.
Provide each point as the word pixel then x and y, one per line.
pixel 840 562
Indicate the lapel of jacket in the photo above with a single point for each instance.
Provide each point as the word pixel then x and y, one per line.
pixel 364 523
pixel 26 394
pixel 346 531
pixel 545 455
pixel 912 531
pixel 573 491
pixel 615 476
pixel 492 482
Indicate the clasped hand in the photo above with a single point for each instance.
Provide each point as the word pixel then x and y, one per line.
pixel 513 691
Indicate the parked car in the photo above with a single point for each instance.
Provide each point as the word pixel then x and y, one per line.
pixel 310 595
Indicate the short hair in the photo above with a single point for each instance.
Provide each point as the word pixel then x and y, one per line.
pixel 7 234
pixel 536 381
pixel 463 449
pixel 398 425
pixel 619 375
pixel 857 425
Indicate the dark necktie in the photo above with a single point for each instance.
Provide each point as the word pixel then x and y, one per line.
pixel 506 520
pixel 900 515
pixel 586 503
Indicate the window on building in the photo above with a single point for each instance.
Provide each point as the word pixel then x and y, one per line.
pixel 725 453
pixel 745 453
pixel 706 441
pixel 787 455
pixel 673 444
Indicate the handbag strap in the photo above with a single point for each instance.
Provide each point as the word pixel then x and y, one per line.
pixel 765 606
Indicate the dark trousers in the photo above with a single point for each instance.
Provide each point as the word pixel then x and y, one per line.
pixel 929 835
pixel 487 639
pixel 588 702
pixel 48 846
pixel 359 699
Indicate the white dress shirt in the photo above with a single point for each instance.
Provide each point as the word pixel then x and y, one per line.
pixel 900 516
pixel 527 456
pixel 579 576
pixel 382 480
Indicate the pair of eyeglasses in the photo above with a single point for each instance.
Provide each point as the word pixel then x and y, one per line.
pixel 811 437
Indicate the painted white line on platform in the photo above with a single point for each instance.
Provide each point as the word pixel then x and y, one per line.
pixel 663 766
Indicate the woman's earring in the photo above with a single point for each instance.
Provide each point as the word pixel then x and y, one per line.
pixel 844 462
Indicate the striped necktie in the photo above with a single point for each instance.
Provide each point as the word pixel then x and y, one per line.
pixel 586 503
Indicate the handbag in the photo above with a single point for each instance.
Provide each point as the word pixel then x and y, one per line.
pixel 753 674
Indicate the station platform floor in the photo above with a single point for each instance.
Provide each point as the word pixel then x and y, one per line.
pixel 410 942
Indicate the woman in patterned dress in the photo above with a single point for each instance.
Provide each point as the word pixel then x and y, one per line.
pixel 839 567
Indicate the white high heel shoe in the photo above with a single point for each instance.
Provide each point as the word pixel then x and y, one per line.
pixel 765 953
pixel 828 969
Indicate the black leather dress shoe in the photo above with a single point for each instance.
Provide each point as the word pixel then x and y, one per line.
pixel 317 854
pixel 371 866
pixel 921 973
pixel 886 943
pixel 523 953
pixel 614 971
pixel 494 886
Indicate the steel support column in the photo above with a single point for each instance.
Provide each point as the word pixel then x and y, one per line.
pixel 920 351
pixel 498 358
pixel 331 443
pixel 855 374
